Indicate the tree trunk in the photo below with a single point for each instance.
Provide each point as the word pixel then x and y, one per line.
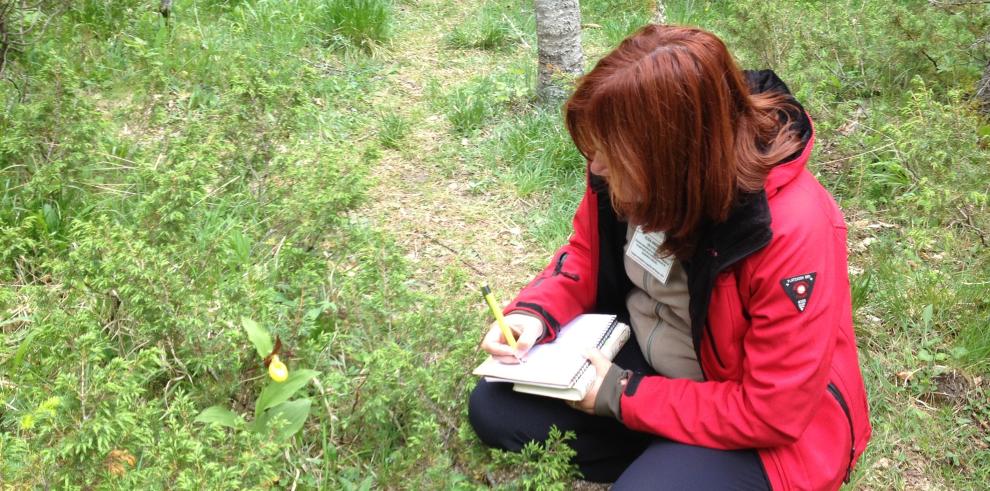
pixel 558 42
pixel 165 8
pixel 983 90
pixel 660 14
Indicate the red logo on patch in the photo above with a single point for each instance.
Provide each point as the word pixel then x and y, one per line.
pixel 798 289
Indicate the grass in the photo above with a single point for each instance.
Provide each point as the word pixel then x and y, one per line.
pixel 394 129
pixel 363 24
pixel 492 27
pixel 542 163
pixel 158 183
pixel 468 108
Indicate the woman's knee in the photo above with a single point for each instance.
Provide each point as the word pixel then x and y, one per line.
pixel 483 413
pixel 505 419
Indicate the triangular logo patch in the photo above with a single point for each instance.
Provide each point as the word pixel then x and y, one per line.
pixel 798 289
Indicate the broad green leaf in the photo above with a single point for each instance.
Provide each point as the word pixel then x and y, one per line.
pixel 219 415
pixel 258 336
pixel 276 393
pixel 293 413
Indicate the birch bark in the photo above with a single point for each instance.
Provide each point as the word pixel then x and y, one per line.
pixel 983 90
pixel 558 44
pixel 660 14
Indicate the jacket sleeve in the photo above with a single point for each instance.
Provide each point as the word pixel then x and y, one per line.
pixel 566 287
pixel 786 354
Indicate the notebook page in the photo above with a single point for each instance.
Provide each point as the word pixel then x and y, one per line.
pixel 555 363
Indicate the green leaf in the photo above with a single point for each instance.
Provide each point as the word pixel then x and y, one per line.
pixel 294 413
pixel 276 393
pixel 258 336
pixel 23 349
pixel 219 415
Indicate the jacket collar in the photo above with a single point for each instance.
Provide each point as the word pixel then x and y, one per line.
pixel 761 81
pixel 785 172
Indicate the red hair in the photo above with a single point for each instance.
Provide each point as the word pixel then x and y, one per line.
pixel 681 133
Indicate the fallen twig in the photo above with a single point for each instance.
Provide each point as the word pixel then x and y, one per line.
pixel 451 249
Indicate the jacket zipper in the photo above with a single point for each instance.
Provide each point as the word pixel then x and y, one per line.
pixel 560 263
pixel 852 433
pixel 711 342
pixel 718 270
pixel 559 268
pixel 653 332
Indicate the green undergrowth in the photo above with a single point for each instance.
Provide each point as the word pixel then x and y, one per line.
pixel 159 183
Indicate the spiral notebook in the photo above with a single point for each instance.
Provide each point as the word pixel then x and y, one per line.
pixel 559 369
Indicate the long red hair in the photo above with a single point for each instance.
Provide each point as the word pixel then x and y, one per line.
pixel 682 134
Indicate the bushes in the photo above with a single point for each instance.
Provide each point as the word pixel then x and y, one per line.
pixel 853 49
pixel 135 229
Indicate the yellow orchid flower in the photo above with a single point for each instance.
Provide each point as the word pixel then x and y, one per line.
pixel 277 370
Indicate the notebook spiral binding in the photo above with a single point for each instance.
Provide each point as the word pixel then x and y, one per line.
pixel 601 341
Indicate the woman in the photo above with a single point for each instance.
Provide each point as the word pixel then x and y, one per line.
pixel 744 373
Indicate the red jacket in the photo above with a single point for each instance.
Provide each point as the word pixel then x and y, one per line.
pixel 772 318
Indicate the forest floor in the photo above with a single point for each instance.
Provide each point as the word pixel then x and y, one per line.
pixel 424 193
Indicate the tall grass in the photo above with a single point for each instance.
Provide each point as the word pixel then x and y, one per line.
pixel 542 160
pixel 394 129
pixel 492 27
pixel 364 24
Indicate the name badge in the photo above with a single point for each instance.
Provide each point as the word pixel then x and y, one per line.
pixel 643 249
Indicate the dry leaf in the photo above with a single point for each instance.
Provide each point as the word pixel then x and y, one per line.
pixel 118 461
pixel 905 376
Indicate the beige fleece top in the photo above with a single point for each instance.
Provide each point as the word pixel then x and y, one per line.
pixel 660 319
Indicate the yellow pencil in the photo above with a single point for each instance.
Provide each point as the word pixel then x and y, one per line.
pixel 487 293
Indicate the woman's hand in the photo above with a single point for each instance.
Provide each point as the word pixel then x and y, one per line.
pixel 526 329
pixel 601 365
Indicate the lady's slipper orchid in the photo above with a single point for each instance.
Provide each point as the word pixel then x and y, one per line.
pixel 277 370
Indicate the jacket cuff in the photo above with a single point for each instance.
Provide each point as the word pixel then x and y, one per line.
pixel 550 325
pixel 608 402
pixel 546 331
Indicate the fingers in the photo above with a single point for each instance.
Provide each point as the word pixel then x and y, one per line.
pixel 527 339
pixel 598 360
pixel 529 330
pixel 494 344
pixel 526 331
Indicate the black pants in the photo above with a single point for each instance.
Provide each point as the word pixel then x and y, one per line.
pixel 606 450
